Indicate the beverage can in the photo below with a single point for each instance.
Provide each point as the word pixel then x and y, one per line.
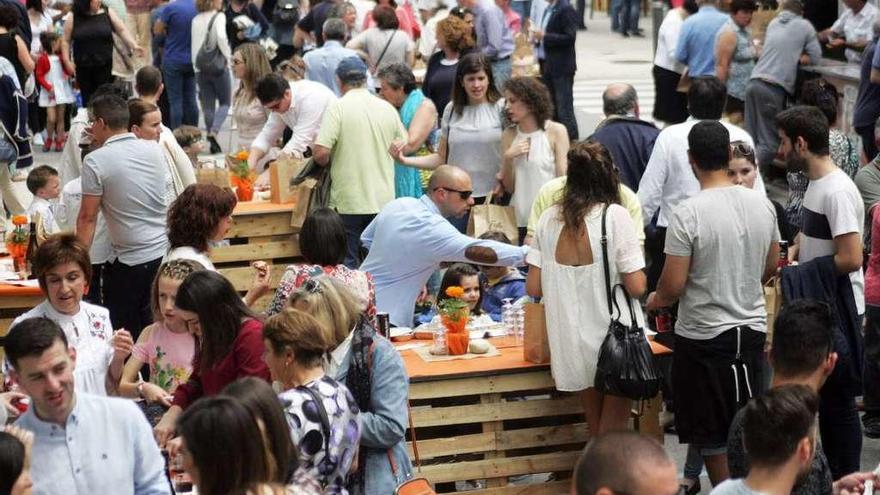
pixel 783 254
pixel 383 324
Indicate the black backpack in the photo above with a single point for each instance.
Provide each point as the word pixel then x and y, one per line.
pixel 286 12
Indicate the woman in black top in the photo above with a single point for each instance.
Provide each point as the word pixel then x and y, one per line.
pixel 237 8
pixel 90 27
pixel 12 46
pixel 454 41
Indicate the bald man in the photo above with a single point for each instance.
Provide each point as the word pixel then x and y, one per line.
pixel 624 463
pixel 411 237
pixel 629 139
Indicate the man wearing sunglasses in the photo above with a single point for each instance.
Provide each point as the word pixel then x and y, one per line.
pixel 411 237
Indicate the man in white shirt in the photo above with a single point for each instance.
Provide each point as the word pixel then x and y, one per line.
pixel 298 105
pixel 668 179
pixel 82 443
pixel 852 30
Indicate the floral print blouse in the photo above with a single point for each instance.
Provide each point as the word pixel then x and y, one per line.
pixel 845 154
pixel 360 283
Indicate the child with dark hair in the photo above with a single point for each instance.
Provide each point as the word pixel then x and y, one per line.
pixel 190 139
pixel 43 182
pixel 502 282
pixel 56 91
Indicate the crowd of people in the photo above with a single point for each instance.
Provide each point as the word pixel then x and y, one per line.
pixel 415 114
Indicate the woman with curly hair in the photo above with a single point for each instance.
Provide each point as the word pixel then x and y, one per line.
pixel 566 269
pixel 534 150
pixel 454 40
pixel 199 217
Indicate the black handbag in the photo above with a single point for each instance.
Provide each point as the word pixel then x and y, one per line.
pixel 626 363
pixel 209 59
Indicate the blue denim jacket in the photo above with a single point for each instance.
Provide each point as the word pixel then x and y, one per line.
pixel 384 426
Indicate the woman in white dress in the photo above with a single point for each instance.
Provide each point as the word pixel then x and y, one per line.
pixel 566 269
pixel 534 150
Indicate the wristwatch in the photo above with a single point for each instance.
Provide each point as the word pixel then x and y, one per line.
pixel 140 389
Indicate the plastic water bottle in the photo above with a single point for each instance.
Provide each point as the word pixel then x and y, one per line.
pixel 507 317
pixel 519 322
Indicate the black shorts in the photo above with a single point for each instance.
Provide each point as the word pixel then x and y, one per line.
pixel 734 105
pixel 712 379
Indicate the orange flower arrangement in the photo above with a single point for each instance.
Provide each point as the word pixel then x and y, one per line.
pixel 242 177
pixel 19 220
pixel 17 239
pixel 454 315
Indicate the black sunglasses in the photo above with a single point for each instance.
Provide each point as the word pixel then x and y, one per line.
pixel 312 286
pixel 463 194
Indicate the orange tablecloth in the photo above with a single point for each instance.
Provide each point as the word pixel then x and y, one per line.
pixel 15 290
pixel 260 206
pixel 510 361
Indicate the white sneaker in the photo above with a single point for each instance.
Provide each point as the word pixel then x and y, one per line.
pixel 38 139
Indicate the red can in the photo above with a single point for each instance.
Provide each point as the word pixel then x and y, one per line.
pixel 663 321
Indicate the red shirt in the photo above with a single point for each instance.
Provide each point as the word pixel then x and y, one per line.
pixel 872 276
pixel 244 359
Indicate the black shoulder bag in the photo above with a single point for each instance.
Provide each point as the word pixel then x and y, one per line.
pixel 626 363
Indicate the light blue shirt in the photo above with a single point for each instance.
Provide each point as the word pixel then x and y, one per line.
pixel 408 240
pixel 493 37
pixel 107 446
pixel 542 11
pixel 321 63
pixel 696 41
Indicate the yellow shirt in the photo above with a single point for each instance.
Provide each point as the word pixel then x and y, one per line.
pixel 551 193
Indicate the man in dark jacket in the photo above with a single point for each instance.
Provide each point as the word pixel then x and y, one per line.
pixel 556 35
pixel 629 139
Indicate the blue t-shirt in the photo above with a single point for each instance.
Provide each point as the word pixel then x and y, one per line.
pixel 696 41
pixel 177 17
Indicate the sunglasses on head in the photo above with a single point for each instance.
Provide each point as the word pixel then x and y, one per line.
pixel 312 286
pixel 463 194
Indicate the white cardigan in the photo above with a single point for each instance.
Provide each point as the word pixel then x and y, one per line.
pixel 200 28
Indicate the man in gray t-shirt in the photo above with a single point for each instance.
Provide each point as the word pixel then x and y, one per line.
pixel 125 180
pixel 720 245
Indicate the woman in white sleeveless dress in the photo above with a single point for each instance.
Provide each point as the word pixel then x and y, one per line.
pixel 566 269
pixel 534 150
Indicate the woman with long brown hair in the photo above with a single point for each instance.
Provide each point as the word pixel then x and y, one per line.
pixel 249 64
pixel 566 269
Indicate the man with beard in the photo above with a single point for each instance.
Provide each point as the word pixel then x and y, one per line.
pixel 831 225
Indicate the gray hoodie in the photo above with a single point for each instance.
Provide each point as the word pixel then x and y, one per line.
pixel 787 37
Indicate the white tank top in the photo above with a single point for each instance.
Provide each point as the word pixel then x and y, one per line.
pixel 531 172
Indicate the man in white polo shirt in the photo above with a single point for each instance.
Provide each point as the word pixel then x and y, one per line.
pixel 125 180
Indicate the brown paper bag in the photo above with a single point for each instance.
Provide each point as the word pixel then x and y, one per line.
pixel 488 217
pixel 217 176
pixel 773 302
pixel 280 174
pixel 536 347
pixel 302 196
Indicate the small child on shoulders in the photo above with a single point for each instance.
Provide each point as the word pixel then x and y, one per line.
pixel 45 184
pixel 503 282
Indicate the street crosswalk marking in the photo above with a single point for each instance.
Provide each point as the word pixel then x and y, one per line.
pixel 588 94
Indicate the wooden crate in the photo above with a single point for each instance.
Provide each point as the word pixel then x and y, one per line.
pixel 495 425
pixel 260 231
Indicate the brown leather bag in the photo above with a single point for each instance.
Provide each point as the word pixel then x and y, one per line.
pixel 412 486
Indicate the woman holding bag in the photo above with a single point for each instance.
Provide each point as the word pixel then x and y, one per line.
pixel 215 89
pixel 567 260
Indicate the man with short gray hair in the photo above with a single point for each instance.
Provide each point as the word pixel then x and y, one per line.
pixel 321 63
pixel 629 139
pixel 356 132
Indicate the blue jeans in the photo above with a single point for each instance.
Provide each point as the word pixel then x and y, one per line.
pixel 213 90
pixel 561 88
pixel 354 227
pixel 614 12
pixel 180 84
pixel 629 15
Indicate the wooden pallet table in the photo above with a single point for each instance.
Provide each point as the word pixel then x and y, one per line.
pixel 14 301
pixel 260 231
pixel 499 417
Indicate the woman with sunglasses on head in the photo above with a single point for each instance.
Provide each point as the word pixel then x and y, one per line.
pixel 296 344
pixel 249 64
pixel 229 342
pixel 471 128
pixel 743 171
pixel 372 370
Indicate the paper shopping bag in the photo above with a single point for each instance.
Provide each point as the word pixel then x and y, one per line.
pixel 772 301
pixel 302 196
pixel 280 174
pixel 217 176
pixel 536 347
pixel 493 218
